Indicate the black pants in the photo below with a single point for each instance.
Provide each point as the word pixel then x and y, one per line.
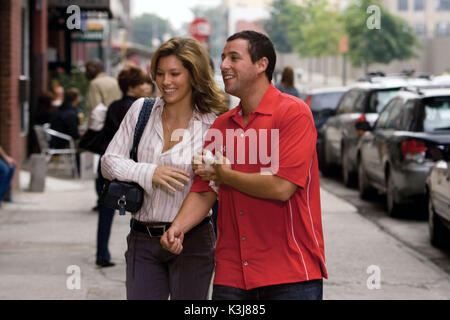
pixel 154 273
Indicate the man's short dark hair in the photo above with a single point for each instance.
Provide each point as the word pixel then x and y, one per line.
pixel 259 46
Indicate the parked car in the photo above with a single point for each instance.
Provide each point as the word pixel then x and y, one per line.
pixel 395 155
pixel 438 196
pixel 323 103
pixel 339 137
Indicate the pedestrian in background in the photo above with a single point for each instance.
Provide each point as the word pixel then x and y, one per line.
pixel 103 89
pixel 65 119
pixel 189 100
pixel 131 82
pixel 7 167
pixel 270 243
pixel 287 82
pixel 148 88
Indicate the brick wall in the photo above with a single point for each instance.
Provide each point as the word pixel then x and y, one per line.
pixel 10 62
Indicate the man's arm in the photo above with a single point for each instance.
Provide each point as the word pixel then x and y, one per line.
pixel 253 184
pixel 261 186
pixel 193 210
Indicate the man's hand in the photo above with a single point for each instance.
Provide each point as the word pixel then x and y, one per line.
pixel 172 240
pixel 218 172
pixel 165 176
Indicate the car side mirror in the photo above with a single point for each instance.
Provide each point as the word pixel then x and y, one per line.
pixel 363 126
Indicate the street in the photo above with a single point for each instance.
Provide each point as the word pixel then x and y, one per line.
pixel 47 248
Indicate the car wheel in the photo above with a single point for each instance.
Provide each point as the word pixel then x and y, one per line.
pixel 348 177
pixel 438 232
pixel 365 191
pixel 392 206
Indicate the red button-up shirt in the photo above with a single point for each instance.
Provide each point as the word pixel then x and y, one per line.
pixel 266 242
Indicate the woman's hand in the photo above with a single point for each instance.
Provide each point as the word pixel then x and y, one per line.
pixel 168 176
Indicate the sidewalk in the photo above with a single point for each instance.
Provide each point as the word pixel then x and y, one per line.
pixel 42 234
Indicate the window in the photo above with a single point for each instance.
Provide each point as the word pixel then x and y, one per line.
pixel 402 5
pixel 443 5
pixel 437 114
pixel 395 117
pixel 347 102
pixel 384 115
pixel 443 29
pixel 420 29
pixel 380 98
pixel 419 5
pixel 407 119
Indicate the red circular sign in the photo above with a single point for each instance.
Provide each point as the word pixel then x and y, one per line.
pixel 200 29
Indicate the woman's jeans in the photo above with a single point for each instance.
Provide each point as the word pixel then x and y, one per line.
pixel 6 175
pixel 307 290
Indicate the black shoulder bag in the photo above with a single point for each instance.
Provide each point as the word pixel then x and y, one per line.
pixel 128 196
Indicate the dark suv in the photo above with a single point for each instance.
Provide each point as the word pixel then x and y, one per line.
pixel 338 138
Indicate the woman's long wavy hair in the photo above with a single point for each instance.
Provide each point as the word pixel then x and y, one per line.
pixel 206 94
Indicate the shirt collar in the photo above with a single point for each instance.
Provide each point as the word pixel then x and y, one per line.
pixel 265 106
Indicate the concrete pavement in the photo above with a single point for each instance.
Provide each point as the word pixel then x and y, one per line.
pixel 46 238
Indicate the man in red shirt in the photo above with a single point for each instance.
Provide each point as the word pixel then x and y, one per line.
pixel 270 240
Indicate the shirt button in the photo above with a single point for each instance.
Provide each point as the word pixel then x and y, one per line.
pixel 245 263
pixel 241 213
pixel 242 135
pixel 244 238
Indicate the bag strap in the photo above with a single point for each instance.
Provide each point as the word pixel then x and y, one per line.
pixel 144 115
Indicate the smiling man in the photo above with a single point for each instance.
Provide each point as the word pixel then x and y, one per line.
pixel 270 240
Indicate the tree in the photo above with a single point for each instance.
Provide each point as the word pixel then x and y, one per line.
pixel 281 20
pixel 148 27
pixel 394 39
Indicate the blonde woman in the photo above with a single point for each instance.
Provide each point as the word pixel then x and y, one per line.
pixel 188 103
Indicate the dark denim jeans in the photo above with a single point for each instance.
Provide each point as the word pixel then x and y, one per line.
pixel 307 290
pixel 6 175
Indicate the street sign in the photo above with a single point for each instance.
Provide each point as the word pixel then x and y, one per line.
pixel 200 29
pixel 343 44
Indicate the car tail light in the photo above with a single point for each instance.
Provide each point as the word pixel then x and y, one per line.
pixel 414 150
pixel 362 118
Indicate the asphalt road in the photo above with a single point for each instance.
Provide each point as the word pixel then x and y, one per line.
pixel 410 228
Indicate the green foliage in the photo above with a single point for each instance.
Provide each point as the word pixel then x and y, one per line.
pixel 395 39
pixel 280 21
pixel 149 26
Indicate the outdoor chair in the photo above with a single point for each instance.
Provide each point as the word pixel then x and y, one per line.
pixel 44 135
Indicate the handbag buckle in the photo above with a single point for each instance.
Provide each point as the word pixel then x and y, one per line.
pixel 122 202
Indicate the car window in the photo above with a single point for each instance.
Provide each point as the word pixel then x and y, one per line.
pixel 326 100
pixel 384 115
pixel 408 116
pixel 379 98
pixel 395 116
pixel 437 114
pixel 347 101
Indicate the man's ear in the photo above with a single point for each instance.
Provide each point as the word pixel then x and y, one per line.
pixel 262 64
